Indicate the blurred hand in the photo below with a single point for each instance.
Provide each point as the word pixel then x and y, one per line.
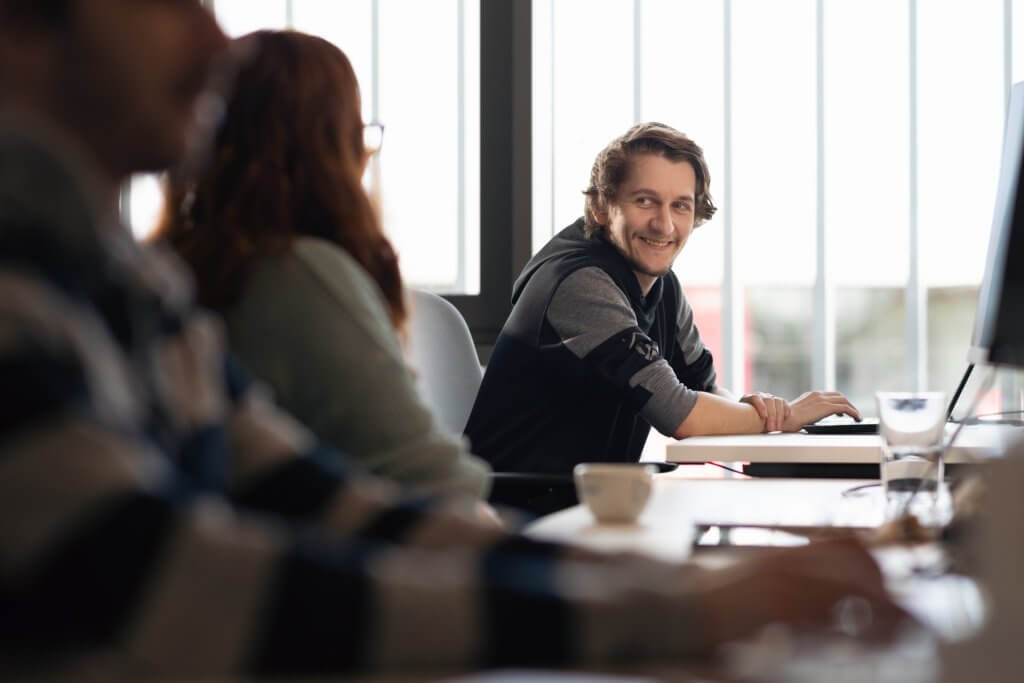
pixel 772 409
pixel 831 584
pixel 814 405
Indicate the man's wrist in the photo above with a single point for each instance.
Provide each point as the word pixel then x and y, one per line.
pixel 757 416
pixel 792 424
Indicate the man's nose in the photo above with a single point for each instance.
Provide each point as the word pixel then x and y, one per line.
pixel 663 219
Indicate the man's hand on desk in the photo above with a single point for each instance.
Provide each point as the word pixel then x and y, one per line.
pixel 780 415
pixel 821 586
pixel 774 410
pixel 719 413
pixel 814 405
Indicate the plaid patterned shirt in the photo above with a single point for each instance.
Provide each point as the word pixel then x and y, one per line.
pixel 159 515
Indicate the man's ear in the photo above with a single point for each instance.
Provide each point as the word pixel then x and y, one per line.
pixel 600 212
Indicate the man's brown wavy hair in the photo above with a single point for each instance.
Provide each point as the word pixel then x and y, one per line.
pixel 612 166
pixel 287 162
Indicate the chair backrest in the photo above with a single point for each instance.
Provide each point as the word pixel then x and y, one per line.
pixel 442 352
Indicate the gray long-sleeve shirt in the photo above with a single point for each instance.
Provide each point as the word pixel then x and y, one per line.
pixel 588 308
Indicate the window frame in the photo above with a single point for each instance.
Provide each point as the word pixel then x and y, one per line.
pixel 506 202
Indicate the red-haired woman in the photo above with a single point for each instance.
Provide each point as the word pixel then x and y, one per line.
pixel 284 243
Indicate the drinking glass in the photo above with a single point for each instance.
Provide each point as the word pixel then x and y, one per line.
pixel 912 429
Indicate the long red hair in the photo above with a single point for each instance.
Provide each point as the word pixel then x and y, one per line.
pixel 287 161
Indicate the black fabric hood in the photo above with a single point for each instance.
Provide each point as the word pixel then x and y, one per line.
pixel 568 240
pixel 572 243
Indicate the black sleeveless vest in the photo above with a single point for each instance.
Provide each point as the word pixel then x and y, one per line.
pixel 541 408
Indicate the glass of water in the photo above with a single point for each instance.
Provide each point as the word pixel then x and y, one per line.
pixel 912 429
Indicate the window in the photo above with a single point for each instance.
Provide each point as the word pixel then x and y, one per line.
pixel 772 202
pixel 866 173
pixel 959 139
pixel 854 149
pixel 418 66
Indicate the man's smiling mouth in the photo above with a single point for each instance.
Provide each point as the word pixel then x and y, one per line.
pixel 656 243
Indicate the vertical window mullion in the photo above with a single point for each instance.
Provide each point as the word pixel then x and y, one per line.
pixel 1007 52
pixel 916 303
pixel 543 142
pixel 823 366
pixel 732 305
pixel 551 102
pixel 375 61
pixel 460 275
pixel 1010 384
pixel 638 57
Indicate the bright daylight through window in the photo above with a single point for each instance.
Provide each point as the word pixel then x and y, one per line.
pixel 853 147
pixel 418 66
pixel 854 150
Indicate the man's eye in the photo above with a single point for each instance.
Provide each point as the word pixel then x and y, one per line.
pixel 643 201
pixel 682 207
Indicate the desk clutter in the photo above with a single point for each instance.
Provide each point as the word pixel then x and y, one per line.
pixel 959 580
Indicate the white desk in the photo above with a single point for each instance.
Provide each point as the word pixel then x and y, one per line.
pixel 951 606
pixel 974 442
pixel 666 527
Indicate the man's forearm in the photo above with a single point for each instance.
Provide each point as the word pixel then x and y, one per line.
pixel 714 414
pixel 723 392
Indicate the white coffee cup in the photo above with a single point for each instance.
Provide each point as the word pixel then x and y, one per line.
pixel 614 492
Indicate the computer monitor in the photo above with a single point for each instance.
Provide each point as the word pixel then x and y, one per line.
pixel 998 337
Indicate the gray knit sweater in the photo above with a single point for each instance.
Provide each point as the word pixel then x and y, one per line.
pixel 314 326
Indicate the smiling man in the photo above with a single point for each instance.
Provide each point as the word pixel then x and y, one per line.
pixel 601 344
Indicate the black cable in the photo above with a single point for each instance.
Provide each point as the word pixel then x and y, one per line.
pixel 729 469
pixel 855 490
pixel 959 390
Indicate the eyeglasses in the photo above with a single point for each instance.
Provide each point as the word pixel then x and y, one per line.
pixel 373 137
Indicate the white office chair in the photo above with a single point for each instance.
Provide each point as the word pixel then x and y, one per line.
pixel 448 377
pixel 442 352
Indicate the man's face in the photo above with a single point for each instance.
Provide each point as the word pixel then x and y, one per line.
pixel 651 216
pixel 129 77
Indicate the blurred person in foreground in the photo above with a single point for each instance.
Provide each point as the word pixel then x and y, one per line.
pixel 284 243
pixel 160 516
